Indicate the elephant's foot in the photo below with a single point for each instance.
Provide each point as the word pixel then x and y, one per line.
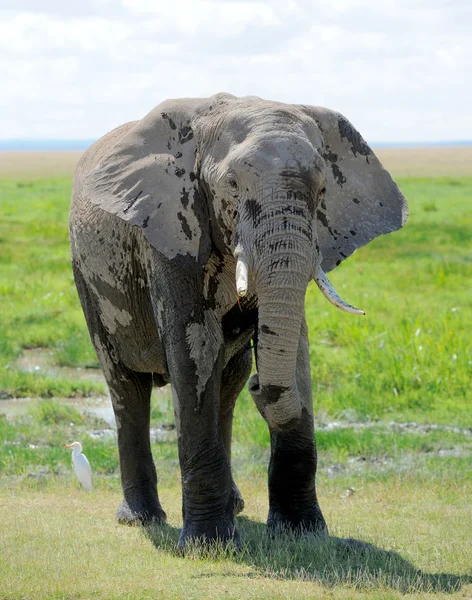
pixel 206 533
pixel 237 499
pixel 140 513
pixel 308 520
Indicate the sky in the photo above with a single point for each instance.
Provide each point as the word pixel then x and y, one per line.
pixel 400 70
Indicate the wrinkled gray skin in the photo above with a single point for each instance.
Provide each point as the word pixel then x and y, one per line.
pixel 160 208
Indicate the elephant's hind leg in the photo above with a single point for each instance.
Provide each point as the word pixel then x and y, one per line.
pixel 131 397
pixel 235 375
pixel 130 393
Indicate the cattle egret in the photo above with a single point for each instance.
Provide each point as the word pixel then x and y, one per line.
pixel 81 465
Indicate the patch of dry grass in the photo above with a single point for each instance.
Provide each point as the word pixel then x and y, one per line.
pixel 401 162
pixel 427 162
pixel 37 165
pixel 59 542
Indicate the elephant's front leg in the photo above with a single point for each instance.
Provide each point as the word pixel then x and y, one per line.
pixel 292 493
pixel 194 348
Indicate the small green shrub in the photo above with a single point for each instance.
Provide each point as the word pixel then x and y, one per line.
pixel 429 207
pixel 52 412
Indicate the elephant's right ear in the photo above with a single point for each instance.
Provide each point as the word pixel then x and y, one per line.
pixel 148 180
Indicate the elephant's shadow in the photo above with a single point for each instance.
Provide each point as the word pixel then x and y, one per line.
pixel 331 562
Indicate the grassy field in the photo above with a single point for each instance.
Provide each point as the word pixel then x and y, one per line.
pixel 391 393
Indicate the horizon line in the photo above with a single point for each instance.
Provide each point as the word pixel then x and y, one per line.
pixel 32 144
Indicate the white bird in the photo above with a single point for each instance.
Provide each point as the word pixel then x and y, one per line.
pixel 81 465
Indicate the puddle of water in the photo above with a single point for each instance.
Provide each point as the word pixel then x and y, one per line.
pixel 97 406
pixel 393 426
pixel 40 360
pixel 102 410
pixel 13 407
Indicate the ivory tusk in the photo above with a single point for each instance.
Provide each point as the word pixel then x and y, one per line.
pixel 330 293
pixel 241 276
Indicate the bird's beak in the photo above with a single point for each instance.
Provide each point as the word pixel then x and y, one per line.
pixel 68 446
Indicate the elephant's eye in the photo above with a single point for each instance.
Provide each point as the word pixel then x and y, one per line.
pixel 233 184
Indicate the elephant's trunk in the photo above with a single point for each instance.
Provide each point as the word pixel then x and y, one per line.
pixel 274 387
pixel 281 261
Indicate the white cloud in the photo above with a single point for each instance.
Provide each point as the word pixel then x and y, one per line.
pixel 399 69
pixel 220 19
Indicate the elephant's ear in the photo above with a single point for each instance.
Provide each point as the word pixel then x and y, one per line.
pixel 361 201
pixel 148 180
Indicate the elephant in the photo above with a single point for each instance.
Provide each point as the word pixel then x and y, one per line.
pixel 195 232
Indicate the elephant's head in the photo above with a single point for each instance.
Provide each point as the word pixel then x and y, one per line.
pixel 290 191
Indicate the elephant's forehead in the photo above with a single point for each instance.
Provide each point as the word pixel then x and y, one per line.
pixel 275 149
pixel 262 129
pixel 263 116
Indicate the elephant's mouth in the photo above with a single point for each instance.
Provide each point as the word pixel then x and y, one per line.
pixel 319 277
pixel 253 384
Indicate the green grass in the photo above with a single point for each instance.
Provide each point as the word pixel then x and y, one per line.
pixel 384 377
pixel 409 358
pixel 35 439
pixel 39 304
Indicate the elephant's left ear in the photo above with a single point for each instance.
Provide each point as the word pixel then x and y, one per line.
pixel 361 201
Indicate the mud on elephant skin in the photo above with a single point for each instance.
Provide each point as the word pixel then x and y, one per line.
pixel 194 231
